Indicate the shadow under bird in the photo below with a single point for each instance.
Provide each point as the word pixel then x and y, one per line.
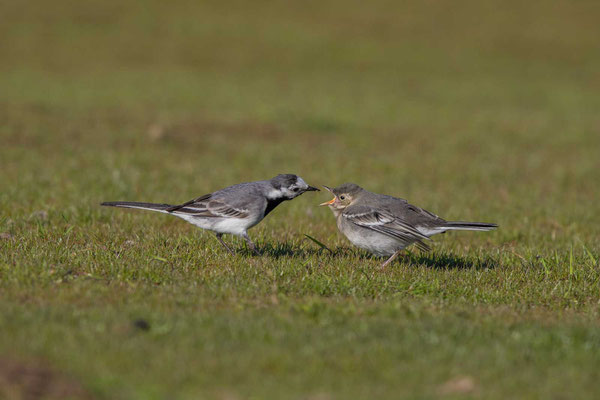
pixel 234 209
pixel 385 225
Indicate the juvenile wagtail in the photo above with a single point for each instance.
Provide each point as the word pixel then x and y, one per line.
pixel 385 225
pixel 234 209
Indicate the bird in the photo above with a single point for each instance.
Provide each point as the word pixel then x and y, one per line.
pixel 232 210
pixel 385 225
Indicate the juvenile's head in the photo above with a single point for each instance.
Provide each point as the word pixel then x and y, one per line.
pixel 344 195
pixel 289 186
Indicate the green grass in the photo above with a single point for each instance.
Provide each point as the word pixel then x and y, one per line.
pixel 484 111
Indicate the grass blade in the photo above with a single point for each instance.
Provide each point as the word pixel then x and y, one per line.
pixel 590 255
pixel 321 245
pixel 571 269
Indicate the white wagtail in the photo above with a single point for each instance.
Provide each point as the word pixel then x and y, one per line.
pixel 385 225
pixel 234 209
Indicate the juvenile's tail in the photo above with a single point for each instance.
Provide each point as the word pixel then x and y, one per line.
pixel 142 206
pixel 469 226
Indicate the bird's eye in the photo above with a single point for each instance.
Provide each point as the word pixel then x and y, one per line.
pixel 295 189
pixel 342 197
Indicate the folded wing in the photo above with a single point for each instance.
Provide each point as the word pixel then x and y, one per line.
pixel 386 224
pixel 208 207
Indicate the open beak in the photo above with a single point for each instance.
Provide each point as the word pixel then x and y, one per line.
pixel 327 203
pixel 330 201
pixel 311 189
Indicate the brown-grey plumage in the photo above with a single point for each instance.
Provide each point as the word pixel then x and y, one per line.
pixel 385 225
pixel 234 209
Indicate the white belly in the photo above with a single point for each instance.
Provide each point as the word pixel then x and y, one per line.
pixel 376 243
pixel 367 239
pixel 234 226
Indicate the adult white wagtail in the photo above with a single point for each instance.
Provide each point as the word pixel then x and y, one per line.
pixel 385 225
pixel 234 209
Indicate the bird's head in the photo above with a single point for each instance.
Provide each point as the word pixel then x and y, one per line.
pixel 343 196
pixel 289 186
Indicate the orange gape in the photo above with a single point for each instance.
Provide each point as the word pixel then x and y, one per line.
pixel 328 202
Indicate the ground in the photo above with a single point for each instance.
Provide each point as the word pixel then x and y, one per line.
pixel 484 111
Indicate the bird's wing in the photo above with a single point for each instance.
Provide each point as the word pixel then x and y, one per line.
pixel 206 206
pixel 420 217
pixel 385 223
pixel 409 213
pixel 198 201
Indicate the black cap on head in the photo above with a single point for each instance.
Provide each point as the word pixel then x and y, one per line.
pixel 284 180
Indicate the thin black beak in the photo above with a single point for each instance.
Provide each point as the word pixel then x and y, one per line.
pixel 311 189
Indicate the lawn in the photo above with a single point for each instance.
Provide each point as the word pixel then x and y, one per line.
pixel 483 111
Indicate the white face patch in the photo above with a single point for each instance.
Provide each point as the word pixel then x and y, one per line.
pixel 301 184
pixel 276 194
pixel 294 190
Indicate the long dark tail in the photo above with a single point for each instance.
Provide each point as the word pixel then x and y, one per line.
pixel 469 226
pixel 142 206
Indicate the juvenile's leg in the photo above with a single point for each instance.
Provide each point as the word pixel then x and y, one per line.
pixel 392 257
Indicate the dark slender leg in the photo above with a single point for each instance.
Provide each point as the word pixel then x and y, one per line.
pixel 250 244
pixel 219 235
pixel 389 260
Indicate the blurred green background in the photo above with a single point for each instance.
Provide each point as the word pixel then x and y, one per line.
pixel 473 110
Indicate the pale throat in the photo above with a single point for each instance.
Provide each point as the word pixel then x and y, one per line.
pixel 336 211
